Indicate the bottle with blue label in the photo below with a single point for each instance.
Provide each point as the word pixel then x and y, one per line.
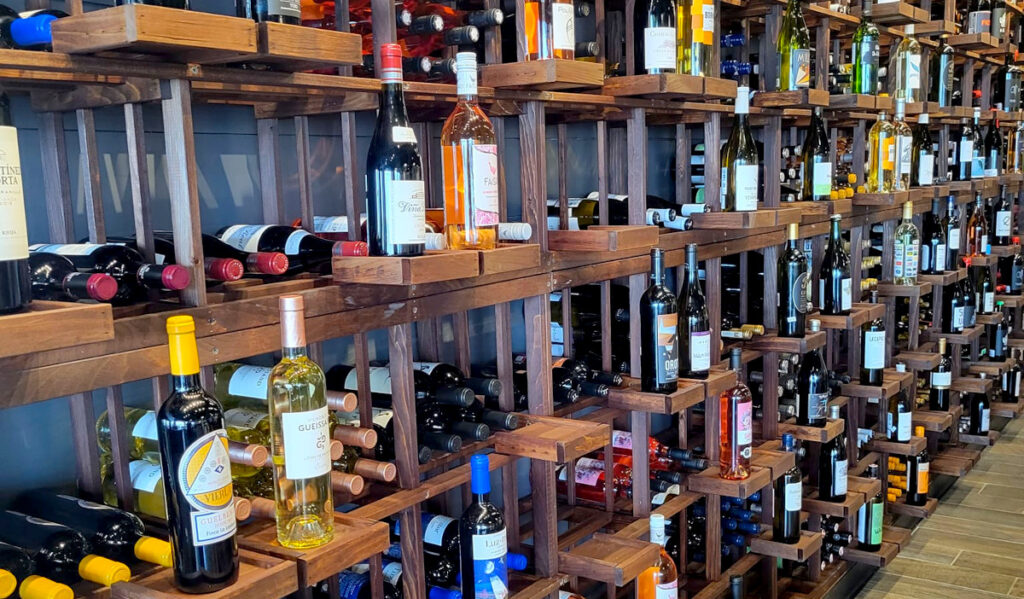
pixel 482 539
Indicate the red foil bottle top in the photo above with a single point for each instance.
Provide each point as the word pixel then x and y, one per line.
pixel 391 63
pixel 269 263
pixel 351 248
pixel 101 287
pixel 175 277
pixel 225 269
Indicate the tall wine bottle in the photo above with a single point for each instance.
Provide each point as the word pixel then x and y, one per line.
pixel 794 48
pixel 993 150
pixel 833 466
pixel 953 225
pixel 963 154
pixel 813 390
pixel 922 157
pixel 694 324
pixel 978 153
pixel 977 229
pixel 941 73
pixel 695 37
pixel 835 287
pixel 660 581
pixel 655 27
pixel 196 472
pixel 659 332
pixel 907 253
pixel 482 538
pixel 904 73
pixel 793 284
pixel 736 405
pixel 275 11
pixel 865 53
pixel 933 243
pixel 15 283
pixel 788 498
pixel 940 379
pixel 881 156
pixel 815 168
pixel 918 467
pixel 395 194
pixel 741 161
pixel 873 352
pixel 898 418
pixel 871 519
pixel 1002 219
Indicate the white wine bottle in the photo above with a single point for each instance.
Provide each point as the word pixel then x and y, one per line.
pixel 881 156
pixel 907 255
pixel 740 160
pixel 904 146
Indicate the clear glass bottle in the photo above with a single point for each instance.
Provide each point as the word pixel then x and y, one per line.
pixel 881 156
pixel 865 53
pixel 794 48
pixel 660 581
pixel 741 162
pixel 904 148
pixel 977 229
pixel 695 37
pixel 905 68
pixel 907 254
pixel 736 405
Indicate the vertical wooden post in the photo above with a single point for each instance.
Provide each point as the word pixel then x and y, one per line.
pixel 270 170
pixel 305 172
pixel 542 474
pixel 533 168
pixel 138 174
pixel 90 170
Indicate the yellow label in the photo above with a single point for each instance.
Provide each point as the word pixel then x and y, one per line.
pixel 205 472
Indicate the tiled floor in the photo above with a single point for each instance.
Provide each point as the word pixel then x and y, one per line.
pixel 973 546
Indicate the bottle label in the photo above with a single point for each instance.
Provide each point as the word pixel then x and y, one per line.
pixel 822 182
pixel 244 237
pixel 966 151
pixel 977 163
pixel 380 380
pixel 925 168
pixel 350 584
pixel 557 333
pixel 839 485
pixel 889 154
pixel 563 26
pixel 940 257
pixel 746 187
pixel 798 296
pixel 483 165
pixel 622 439
pixel 406 212
pixel 145 427
pixel 1003 220
pixel 800 67
pixel 958 319
pixel 243 419
pixel 14 232
pixel 403 135
pixel 990 301
pixel 874 349
pixel 291 245
pixel 589 471
pixel 744 425
pixel 877 509
pixel 392 572
pixel 979 21
pixel 847 299
pixel 433 531
pixel 284 8
pixel 985 412
pixel 901 428
pixel 382 417
pixel 330 224
pixel 667 362
pixel 666 590
pixel 953 238
pixel 817 406
pixel 204 476
pixel 898 258
pixel 723 188
pixel 306 439
pixel 64 249
pixel 490 573
pixel 659 48
pixel 941 380
pixel 707 20
pixel 904 145
pixel 913 71
pixel 145 475
pixel 700 351
pixel 794 496
pixel 249 381
pixel 868 51
pixel 922 477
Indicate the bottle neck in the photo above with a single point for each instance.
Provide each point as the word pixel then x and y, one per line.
pixel 834 233
pixel 184 383
pixel 392 103
pixel 293 353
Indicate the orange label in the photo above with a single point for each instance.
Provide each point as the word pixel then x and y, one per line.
pixel 531 21
pixel 922 481
pixel 889 154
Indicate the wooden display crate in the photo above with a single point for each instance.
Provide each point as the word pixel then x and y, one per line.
pixel 820 211
pixel 896 13
pixel 973 41
pixel 550 74
pixel 918 360
pixel 771 342
pixel 801 98
pixel 902 508
pixel 808 545
pixel 611 559
pixel 932 420
pixel 878 559
pixel 552 439
pixel 946 278
pixel 603 238
pixel 755 219
pixel 509 257
pixel 259 577
pixel 709 482
pixel 860 313
pixel 431 267
pixel 817 434
pixel 630 397
pixel 913 447
pixel 297 48
pixel 971 384
pixel 891 198
pixel 53 325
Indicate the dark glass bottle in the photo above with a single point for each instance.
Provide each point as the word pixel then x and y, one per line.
pixel 952 225
pixel 898 418
pixel 984 289
pixel 835 292
pixel 16 567
pixel 933 243
pixel 655 35
pixel 694 324
pixel 812 387
pixel 996 337
pixel 993 150
pixel 833 466
pixel 873 344
pixel 815 168
pixel 257 262
pixel 659 332
pixel 962 170
pixel 941 73
pixel 979 411
pixel 275 11
pixel 917 475
pixel 304 250
pixel 482 538
pixel 440 535
pixel 216 269
pixel 793 286
pixel 1010 388
pixel 870 519
pixel 968 294
pixel 395 194
pixel 940 379
pixel 197 472
pixel 55 278
pixel 788 499
pixel 1001 219
pixel 342 377
pixel 15 282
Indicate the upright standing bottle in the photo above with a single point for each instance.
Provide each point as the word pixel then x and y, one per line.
pixel 788 498
pixel 694 325
pixel 835 287
pixel 196 471
pixel 898 418
pixel 871 518
pixel 963 154
pixel 469 159
pixel 741 162
pixel 977 229
pixel 865 53
pixel 793 285
pixel 979 411
pixel 815 168
pixel 903 162
pixel 300 435
pixel 940 379
pixel 695 37
pixel 794 47
pixel 483 546
pixel 941 73
pixel 978 153
pixel 904 73
pixel 736 405
pixel 276 11
pixel 15 282
pixel 873 354
pixel 659 332
pixel 922 167
pixel 993 150
pixel 1002 219
pixel 833 466
pixel 660 581
pixel 917 474
pixel 395 195
pixel 907 254
pixel 953 224
pixel 813 390
pixel 655 30
pixel 881 156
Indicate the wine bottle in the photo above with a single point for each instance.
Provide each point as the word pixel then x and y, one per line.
pixel 737 435
pixel 452 17
pixel 124 264
pixel 870 519
pixel 17 574
pixel 788 498
pixel 993 150
pixel 395 194
pixel 482 538
pixel 448 376
pixel 655 27
pixel 1011 388
pixel 904 135
pixel 1002 219
pixel 898 418
pixel 659 332
pixel 695 326
pixel 904 74
pixel 907 254
pixel 266 263
pixel 470 167
pixel 835 287
pixel 793 283
pixel 445 422
pixel 741 162
pixel 815 168
pixel 196 472
pixel 996 336
pixel 964 153
pixel 813 391
pixel 246 385
pixel 865 53
pixel 274 11
pixel 979 411
pixel 216 269
pixel 456 37
pixel 60 553
pixel 794 49
pixel 922 158
pixel 736 587
pixel 55 278
pixel 695 35
pixel 873 342
pixel 304 250
pixel 969 297
pixel 933 246
pixel 15 282
pixel 979 16
pixel 833 466
pixel 953 225
pixel 917 475
pixel 440 535
pixel 977 229
pixel 881 156
pixel 998 20
pixel 940 379
pixel 985 290
pixel 941 73
pixel 660 581
pixel 978 153
pixel 114 534
pixel 342 376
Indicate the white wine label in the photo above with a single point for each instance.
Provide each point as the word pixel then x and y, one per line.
pixel 406 210
pixel 380 380
pixel 914 71
pixel 874 349
pixel 330 224
pixel 746 187
pixel 794 497
pixel 666 590
pixel 204 476
pixel 433 531
pixel 941 380
pixel 723 187
pixel 244 237
pixel 904 144
pixel 700 351
pixel 622 439
pixel 243 419
pixel 589 471
pixel 490 572
pixel 64 249
pixel 659 48
pixel 1003 222
pixel 842 467
pixel 953 238
pixel 985 413
pixel 284 8
pixel 403 135
pixel 925 168
pixel 249 381
pixel 557 333
pixel 744 424
pixel 426 367
pixel 484 198
pixel 822 179
pixel 145 427
pixel 940 257
pixel 990 301
pixel 903 427
pixel 145 475
pixel 392 573
pixel 847 299
pixel 667 360
pixel 563 26
pixel 707 18
pixel 213 527
pixel 958 319
pixel 382 417
pixel 966 151
pixel 14 232
pixel 291 245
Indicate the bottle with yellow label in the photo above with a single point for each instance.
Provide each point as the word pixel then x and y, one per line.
pixel 881 156
pixel 196 472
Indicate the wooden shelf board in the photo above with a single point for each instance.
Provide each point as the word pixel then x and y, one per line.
pixel 670 86
pixel 719 379
pixel 847 102
pixel 983 260
pixel 901 508
pixel 630 397
pixel 820 211
pixel 608 558
pixel 990 369
pixel 297 48
pixel 971 384
pixel 709 482
pixel 891 198
pixel 915 446
pixel 552 439
pixel 973 41
pixel 431 267
pixel 878 559
pixel 946 278
pixel 831 430
pixel 801 98
pixel 963 338
pixel 860 313
pixel 603 238
pixel 933 420
pixel 1006 409
pixel 869 487
pixel 55 325
pixel 1010 301
pixel 755 219
pixel 895 13
pixel 950 466
pixel 550 74
pixel 1005 250
pixel 769 455
pixel 918 360
pixel 986 440
pixel 770 341
pixel 993 318
pixel 809 544
pixel 509 257
pixel 898 535
pixel 892 382
pixel 259 577
pixel 914 291
pixel 843 509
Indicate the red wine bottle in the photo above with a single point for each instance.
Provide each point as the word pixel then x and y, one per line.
pixel 305 251
pixel 15 283
pixel 54 278
pixel 694 324
pixel 659 332
pixel 133 275
pixel 342 377
pixel 395 194
pixel 264 263
pixel 216 269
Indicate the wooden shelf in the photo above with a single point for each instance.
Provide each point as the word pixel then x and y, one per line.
pixel 1010 301
pixel 259 577
pixel 991 369
pixel 297 48
pixel 986 260
pixel 756 219
pixel 987 440
pixel 902 508
pixel 710 483
pixel 860 313
pixel 878 559
pixel 509 257
pixel 801 98
pixel 892 382
pixel 892 198
pixel 932 420
pixel 963 338
pixel 809 544
pixel 954 461
pixel 947 278
pixel 550 74
pixel 771 342
pixel 54 325
pixel 831 430
pixel 603 238
pixel 843 509
pixel 847 102
pixel 869 487
pixel 771 457
pixel 970 384
pixel 611 559
pixel 992 319
pixel 895 13
pixel 820 211
pixel 914 291
pixel 1004 250
pixel 918 360
pixel 670 86
pixel 431 267
pixel 1006 409
pixel 719 379
pixel 973 41
pixel 936 28
pixel 915 446
pixel 630 397
pixel 552 439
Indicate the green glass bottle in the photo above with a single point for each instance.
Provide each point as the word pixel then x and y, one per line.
pixel 815 167
pixel 740 161
pixel 865 53
pixel 794 48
